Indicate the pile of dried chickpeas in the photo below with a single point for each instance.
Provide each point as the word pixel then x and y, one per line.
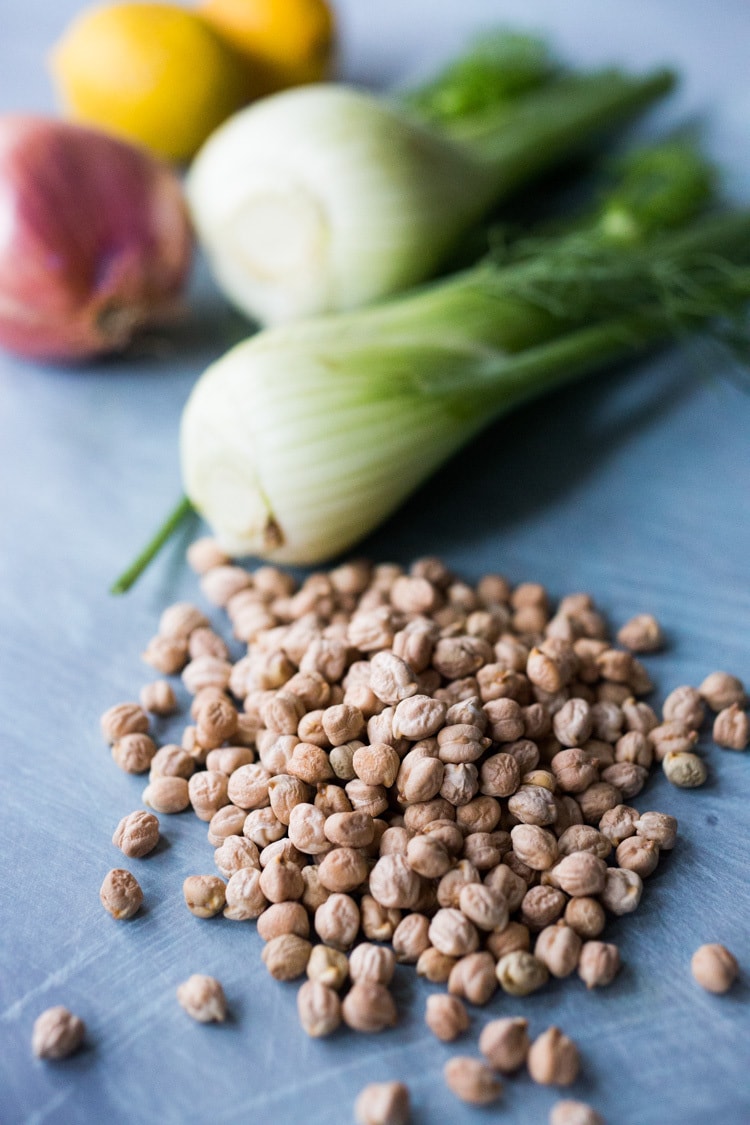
pixel 403 768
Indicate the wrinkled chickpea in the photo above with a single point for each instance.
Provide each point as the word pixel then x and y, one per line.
pixel 137 834
pixel 57 1033
pixel 319 1009
pixel 121 894
pixel 731 728
pixel 684 769
pixel 446 1016
pixel 505 1043
pixel 598 963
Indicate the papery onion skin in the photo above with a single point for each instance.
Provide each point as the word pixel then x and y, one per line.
pixel 95 240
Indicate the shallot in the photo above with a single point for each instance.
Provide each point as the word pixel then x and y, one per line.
pixel 95 241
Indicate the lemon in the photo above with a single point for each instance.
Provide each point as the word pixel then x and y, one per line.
pixel 286 42
pixel 153 73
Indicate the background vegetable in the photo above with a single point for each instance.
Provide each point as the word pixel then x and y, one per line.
pixel 285 42
pixel 96 240
pixel 302 439
pixel 152 73
pixel 326 198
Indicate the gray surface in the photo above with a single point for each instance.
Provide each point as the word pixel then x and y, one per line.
pixel 635 488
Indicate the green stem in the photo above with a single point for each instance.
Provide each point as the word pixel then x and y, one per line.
pixel 520 141
pixel 152 548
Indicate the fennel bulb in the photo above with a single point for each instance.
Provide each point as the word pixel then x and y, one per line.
pixel 302 439
pixel 325 198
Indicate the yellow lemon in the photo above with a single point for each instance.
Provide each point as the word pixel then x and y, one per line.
pixel 153 73
pixel 286 42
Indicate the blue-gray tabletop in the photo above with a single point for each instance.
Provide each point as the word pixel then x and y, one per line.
pixel 634 486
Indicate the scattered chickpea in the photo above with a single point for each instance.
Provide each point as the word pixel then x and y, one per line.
pixel 473 978
pixel 383 1103
pixel 122 719
pixel 120 894
pixel 167 795
pixel 598 964
pixel 441 768
pixel 57 1033
pixel 720 690
pixel 553 1059
pixel 684 769
pixel 570 1112
pixel 158 697
pixel 286 956
pixel 472 1081
pixel 505 1043
pixel 203 998
pixel 446 1016
pixel 369 1007
pixel 137 834
pixel 714 968
pixel 205 895
pixel 319 1009
pixel 328 966
pixel 732 728
pixel 520 973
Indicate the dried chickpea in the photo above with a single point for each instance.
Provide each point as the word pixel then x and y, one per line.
pixel 243 895
pixel 714 968
pixel 372 962
pixel 319 1009
pixel 519 973
pixel 473 978
pixel 205 895
pixel 122 719
pixel 369 1007
pixel 731 728
pixel 133 753
pixel 452 933
pixel 383 1103
pixel 167 795
pixel 720 690
pixel 569 1112
pixel 328 966
pixel 586 916
pixel 446 1017
pixel 559 947
pixel 684 769
pixel 137 834
pixel 337 921
pixel 435 966
pixel 120 894
pixel 158 697
pixel 553 1059
pixel 472 1080
pixel 505 1043
pixel 286 956
pixel 598 963
pixel 203 998
pixel 57 1033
